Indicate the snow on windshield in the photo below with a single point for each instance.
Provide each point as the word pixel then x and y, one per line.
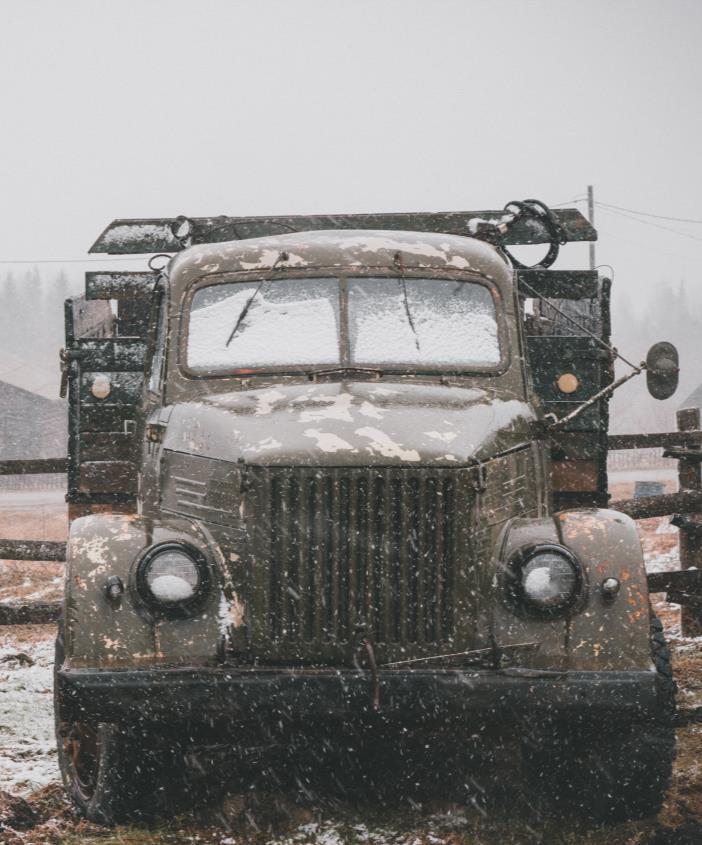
pixel 420 322
pixel 296 322
pixel 268 324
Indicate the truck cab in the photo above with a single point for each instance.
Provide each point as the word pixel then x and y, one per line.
pixel 349 506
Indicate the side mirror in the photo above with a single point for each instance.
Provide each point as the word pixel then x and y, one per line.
pixel 662 370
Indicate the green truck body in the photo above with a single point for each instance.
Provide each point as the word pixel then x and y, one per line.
pixel 368 539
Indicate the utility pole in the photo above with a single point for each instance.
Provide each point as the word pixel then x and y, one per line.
pixel 591 217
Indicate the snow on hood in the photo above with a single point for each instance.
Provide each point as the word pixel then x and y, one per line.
pixel 350 423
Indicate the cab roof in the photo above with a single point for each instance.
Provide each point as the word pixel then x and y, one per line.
pixel 348 249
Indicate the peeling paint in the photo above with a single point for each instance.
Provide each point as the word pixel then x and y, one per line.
pixel 267 400
pixel 266 445
pixel 96 550
pixel 335 408
pixel 382 443
pixel 230 613
pixel 368 410
pixel 329 442
pixel 444 436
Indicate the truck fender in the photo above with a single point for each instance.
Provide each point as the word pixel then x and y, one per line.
pixel 98 632
pixel 600 633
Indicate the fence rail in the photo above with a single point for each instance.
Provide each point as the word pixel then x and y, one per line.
pixel 32 550
pixel 645 507
pixel 29 614
pixel 38 466
pixel 655 440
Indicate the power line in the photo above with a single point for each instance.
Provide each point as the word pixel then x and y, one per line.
pixel 567 202
pixel 649 223
pixel 648 214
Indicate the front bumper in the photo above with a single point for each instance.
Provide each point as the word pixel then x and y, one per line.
pixel 304 696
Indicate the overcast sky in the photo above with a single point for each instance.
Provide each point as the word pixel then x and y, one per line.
pixel 161 107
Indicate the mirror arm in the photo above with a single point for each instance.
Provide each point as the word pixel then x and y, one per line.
pixel 554 423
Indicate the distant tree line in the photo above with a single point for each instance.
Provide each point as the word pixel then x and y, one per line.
pixel 31 314
pixel 672 314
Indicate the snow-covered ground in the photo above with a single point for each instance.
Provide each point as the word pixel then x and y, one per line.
pixel 27 745
pixel 620 476
pixel 330 832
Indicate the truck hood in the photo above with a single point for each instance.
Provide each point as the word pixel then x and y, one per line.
pixel 350 423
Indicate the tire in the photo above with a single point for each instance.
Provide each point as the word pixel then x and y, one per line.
pixel 614 772
pixel 99 768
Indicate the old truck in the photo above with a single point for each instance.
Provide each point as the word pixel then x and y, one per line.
pixel 351 471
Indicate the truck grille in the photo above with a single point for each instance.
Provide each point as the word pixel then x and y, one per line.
pixel 341 546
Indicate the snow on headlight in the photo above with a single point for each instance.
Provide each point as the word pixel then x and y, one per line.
pixel 549 579
pixel 172 576
pixel 171 588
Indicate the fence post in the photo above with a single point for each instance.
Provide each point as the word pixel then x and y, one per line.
pixel 690 525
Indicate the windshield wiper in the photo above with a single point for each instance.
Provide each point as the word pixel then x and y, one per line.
pixel 400 266
pixel 346 371
pixel 244 312
pixel 281 258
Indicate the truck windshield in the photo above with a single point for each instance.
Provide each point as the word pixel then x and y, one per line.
pixel 393 323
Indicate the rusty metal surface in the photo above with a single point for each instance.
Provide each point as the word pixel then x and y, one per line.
pixel 99 634
pixel 597 635
pixel 128 236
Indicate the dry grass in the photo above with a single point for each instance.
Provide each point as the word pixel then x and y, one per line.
pixel 42 523
pixel 28 580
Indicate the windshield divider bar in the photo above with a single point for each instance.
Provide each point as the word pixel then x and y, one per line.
pixel 344 334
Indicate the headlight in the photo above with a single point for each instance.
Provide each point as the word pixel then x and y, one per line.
pixel 173 578
pixel 546 580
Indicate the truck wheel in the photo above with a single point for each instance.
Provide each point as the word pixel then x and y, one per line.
pixel 610 773
pixel 99 774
